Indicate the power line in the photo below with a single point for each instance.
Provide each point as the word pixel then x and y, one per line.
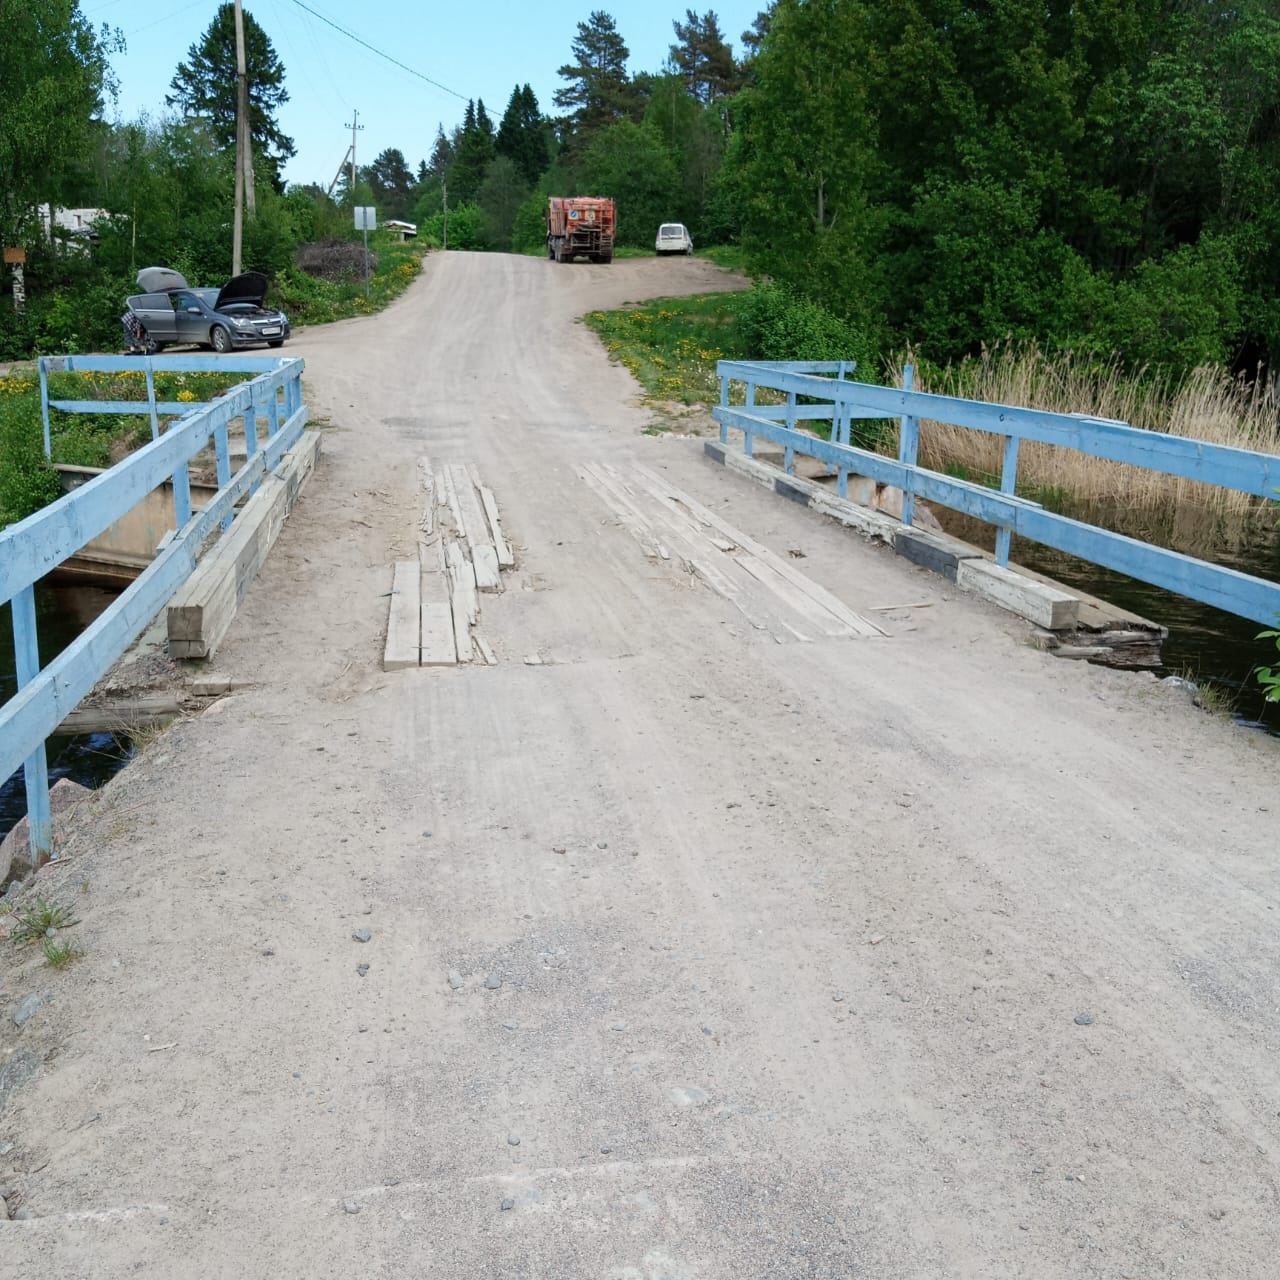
pixel 394 61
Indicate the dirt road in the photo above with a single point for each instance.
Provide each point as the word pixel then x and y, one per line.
pixel 694 955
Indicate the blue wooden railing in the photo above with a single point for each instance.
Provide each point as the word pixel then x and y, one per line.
pixel 270 396
pixel 839 401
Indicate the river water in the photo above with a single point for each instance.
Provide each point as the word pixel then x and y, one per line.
pixel 62 613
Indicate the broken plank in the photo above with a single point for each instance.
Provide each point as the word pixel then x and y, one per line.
pixel 462 575
pixel 444 485
pixel 484 561
pixel 486 651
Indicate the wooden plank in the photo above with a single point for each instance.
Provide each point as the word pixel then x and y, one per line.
pixel 115 717
pixel 934 552
pixel 506 557
pixel 404 618
pixel 462 575
pixel 486 651
pixel 439 645
pixel 475 527
pixel 201 612
pixel 1044 605
pixel 664 493
pixel 444 483
pixel 484 560
pixel 461 627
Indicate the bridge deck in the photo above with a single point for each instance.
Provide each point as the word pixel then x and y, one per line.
pixel 696 950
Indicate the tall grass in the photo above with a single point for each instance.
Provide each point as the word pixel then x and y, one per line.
pixel 1207 405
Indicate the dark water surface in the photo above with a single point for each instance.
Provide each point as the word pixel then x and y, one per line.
pixel 62 613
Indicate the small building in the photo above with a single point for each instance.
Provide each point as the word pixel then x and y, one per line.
pixel 72 225
pixel 401 230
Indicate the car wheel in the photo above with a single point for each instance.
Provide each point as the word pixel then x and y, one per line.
pixel 220 339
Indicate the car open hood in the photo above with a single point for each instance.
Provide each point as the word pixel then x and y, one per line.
pixel 250 287
pixel 160 280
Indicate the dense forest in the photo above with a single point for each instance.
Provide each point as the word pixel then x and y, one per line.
pixel 1100 175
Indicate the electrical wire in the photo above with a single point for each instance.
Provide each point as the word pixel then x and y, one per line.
pixel 373 49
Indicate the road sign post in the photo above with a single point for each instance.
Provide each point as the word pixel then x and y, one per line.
pixel 366 221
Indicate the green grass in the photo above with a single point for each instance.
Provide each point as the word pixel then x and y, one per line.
pixel 34 923
pixel 728 257
pixel 27 482
pixel 671 345
pixel 58 955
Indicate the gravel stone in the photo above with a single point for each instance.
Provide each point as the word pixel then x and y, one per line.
pixel 1084 1019
pixel 351 1206
pixel 362 969
pixel 493 981
pixel 456 980
pixel 362 935
pixel 513 1139
pixel 508 1203
pixel 26 1010
pixel 25 1214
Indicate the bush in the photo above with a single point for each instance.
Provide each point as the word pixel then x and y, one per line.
pixel 776 324
pixel 27 481
pixel 466 228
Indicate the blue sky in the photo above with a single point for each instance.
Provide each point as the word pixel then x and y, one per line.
pixel 477 49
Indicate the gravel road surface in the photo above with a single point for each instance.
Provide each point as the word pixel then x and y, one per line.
pixel 693 954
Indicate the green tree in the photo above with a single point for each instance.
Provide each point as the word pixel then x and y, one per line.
pixel 205 86
pixel 392 184
pixel 599 91
pixel 633 164
pixel 522 135
pixel 54 76
pixel 702 58
pixel 502 193
pixel 473 151
pixel 802 154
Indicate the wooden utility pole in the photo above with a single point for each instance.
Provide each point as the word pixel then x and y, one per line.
pixel 244 152
pixel 356 127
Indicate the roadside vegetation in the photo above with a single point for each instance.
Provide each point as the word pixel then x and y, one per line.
pixel 27 480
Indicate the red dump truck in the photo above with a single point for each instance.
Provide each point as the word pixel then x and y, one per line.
pixel 581 226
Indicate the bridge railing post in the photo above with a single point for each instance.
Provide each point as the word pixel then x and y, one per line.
pixel 1009 485
pixel 44 408
pixel 26 652
pixel 908 448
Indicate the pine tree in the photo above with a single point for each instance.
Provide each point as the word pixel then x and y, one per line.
pixel 205 86
pixel 702 58
pixel 599 92
pixel 472 153
pixel 521 135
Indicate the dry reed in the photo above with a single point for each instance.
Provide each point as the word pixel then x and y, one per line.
pixel 1207 405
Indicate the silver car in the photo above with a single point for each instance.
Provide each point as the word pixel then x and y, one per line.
pixel 673 237
pixel 173 313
